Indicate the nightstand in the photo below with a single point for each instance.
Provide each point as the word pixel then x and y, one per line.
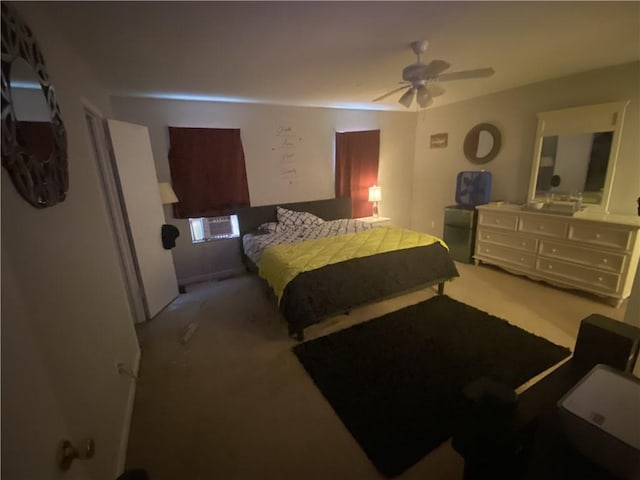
pixel 377 221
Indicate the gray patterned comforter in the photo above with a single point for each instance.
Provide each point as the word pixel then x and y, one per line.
pixel 254 244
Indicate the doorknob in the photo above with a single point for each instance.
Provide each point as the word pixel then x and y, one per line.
pixel 67 453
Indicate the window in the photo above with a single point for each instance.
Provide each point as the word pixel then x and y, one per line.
pixel 206 229
pixel 207 171
pixel 357 168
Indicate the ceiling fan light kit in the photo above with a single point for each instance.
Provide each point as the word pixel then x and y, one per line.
pixel 407 98
pixel 423 97
pixel 420 78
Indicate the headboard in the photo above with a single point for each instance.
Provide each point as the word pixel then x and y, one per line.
pixel 250 218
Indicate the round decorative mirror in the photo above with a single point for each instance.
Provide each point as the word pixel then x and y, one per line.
pixel 482 143
pixel 34 142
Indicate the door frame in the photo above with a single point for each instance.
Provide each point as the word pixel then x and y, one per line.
pixel 116 212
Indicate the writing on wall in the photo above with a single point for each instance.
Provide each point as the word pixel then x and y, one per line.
pixel 285 147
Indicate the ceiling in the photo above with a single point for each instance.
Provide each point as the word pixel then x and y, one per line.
pixel 338 54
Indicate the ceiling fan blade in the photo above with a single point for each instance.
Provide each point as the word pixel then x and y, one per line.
pixel 435 67
pixel 390 93
pixel 425 103
pixel 435 90
pixel 462 75
pixel 407 97
pixel 423 97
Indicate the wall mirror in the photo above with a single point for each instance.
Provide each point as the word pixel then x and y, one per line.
pixel 34 145
pixel 482 143
pixel 575 155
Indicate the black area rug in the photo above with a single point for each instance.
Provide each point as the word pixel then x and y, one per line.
pixel 396 381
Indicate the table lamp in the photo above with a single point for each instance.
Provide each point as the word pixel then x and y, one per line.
pixel 374 196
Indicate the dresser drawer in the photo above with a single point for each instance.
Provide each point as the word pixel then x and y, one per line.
pixel 542 226
pixel 596 235
pixel 612 262
pixel 498 220
pixel 508 240
pixel 594 279
pixel 506 255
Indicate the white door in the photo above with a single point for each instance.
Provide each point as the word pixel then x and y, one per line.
pixel 117 213
pixel 145 217
pixel 32 421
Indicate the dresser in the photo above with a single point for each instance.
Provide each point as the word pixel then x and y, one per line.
pixel 593 252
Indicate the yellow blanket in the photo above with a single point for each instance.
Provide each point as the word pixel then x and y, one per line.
pixel 282 263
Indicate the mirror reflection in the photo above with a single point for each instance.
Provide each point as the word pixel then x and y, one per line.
pixel 574 165
pixel 575 157
pixel 34 129
pixel 485 144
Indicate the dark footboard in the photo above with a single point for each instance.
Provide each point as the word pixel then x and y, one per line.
pixel 337 288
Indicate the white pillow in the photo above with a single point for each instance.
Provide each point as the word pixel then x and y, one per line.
pixel 271 227
pixel 296 219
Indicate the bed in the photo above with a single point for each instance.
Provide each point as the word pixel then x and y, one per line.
pixel 319 262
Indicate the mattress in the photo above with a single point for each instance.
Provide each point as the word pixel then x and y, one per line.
pixel 256 242
pixel 280 264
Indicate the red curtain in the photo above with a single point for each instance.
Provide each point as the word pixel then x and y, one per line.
pixel 357 156
pixel 207 171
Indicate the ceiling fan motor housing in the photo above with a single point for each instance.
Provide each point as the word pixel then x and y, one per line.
pixel 419 80
pixel 414 72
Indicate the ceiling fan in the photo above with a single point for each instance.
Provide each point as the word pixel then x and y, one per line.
pixel 419 79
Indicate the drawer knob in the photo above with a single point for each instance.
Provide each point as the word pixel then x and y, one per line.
pixel 550 267
pixel 524 244
pixel 541 227
pixel 600 279
pixel 597 235
pixel 553 250
pixel 604 260
pixel 487 250
pixel 522 259
pixel 488 237
pixel 497 220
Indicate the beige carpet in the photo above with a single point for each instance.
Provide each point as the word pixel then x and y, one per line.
pixel 234 403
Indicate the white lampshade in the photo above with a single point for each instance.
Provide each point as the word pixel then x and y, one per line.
pixel 374 194
pixel 167 195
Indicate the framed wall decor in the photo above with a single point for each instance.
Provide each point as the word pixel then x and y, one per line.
pixel 482 143
pixel 439 140
pixel 34 141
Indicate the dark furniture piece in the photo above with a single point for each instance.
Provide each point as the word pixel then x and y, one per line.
pixel 500 439
pixel 250 218
pixel 134 474
pixel 460 231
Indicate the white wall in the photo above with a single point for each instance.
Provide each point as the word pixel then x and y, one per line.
pixel 313 159
pixel 65 318
pixel 514 113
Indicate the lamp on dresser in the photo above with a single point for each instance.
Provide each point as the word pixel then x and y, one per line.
pixel 374 196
